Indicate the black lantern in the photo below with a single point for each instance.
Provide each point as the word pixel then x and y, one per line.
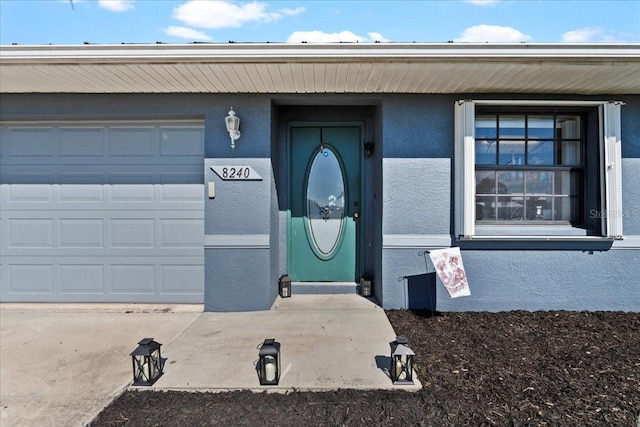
pixel 284 286
pixel 401 369
pixel 269 362
pixel 365 285
pixel 147 362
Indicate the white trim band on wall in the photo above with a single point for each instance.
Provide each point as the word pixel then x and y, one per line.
pixel 236 241
pixel 416 241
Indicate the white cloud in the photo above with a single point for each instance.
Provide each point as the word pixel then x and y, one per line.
pixel 377 37
pixel 492 34
pixel 186 33
pixel 224 14
pixel 582 35
pixel 482 2
pixel 292 12
pixel 116 5
pixel 322 37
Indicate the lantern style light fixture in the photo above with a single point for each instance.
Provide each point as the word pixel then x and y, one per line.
pixel 368 149
pixel 147 362
pixel 269 362
pixel 365 285
pixel 233 127
pixel 284 286
pixel 401 369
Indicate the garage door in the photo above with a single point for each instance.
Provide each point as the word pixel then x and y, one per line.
pixel 102 212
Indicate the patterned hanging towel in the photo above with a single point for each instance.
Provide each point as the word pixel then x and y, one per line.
pixel 448 265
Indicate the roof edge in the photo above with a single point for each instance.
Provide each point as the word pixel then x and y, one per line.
pixel 269 52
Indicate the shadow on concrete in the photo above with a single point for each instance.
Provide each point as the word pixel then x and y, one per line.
pixel 383 363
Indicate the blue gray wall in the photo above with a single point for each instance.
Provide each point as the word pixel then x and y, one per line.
pixel 417 215
pixel 410 196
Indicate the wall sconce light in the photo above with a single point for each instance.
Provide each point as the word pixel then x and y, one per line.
pixel 284 286
pixel 368 149
pixel 147 362
pixel 269 362
pixel 401 361
pixel 233 127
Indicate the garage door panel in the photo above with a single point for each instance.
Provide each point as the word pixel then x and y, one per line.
pixel 181 193
pixel 102 214
pixel 81 233
pixel 30 233
pixel 133 278
pixel 179 178
pixel 173 277
pixel 11 175
pixel 26 193
pixel 87 163
pixel 82 178
pixel 181 232
pixel 126 197
pixel 81 193
pixel 132 232
pixel 81 279
pixel 30 278
pixel 133 141
pixel 54 254
pixel 181 142
pixel 103 279
pixel 132 193
pixel 28 142
pixel 81 142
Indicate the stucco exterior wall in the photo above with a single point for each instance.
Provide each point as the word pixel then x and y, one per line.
pixel 417 215
pixel 411 202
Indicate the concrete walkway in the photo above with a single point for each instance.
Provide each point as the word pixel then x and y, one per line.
pixel 327 342
pixel 61 364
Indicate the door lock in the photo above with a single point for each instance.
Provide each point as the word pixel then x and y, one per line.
pixel 356 215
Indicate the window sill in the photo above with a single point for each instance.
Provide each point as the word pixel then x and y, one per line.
pixel 533 231
pixel 536 238
pixel 555 241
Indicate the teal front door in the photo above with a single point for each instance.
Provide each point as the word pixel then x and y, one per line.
pixel 325 205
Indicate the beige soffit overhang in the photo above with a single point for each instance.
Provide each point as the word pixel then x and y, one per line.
pixel 371 68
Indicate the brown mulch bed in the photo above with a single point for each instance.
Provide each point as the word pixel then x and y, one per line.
pixel 478 369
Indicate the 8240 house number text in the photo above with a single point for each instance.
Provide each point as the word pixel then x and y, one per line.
pixel 236 173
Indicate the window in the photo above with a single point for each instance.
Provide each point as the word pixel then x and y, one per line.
pixel 535 168
pixel 528 167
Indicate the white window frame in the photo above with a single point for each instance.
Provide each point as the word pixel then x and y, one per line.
pixel 610 168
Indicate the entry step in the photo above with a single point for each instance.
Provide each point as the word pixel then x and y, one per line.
pixel 349 302
pixel 324 288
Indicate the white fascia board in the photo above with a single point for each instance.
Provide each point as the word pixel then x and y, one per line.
pixel 537 102
pixel 273 52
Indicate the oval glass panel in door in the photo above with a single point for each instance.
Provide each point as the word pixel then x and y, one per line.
pixel 325 202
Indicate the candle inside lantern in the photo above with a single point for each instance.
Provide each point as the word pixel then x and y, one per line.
pixel 145 372
pixel 400 372
pixel 270 369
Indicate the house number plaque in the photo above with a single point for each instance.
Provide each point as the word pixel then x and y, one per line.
pixel 236 173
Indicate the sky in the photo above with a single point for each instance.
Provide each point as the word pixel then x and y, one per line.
pixel 74 22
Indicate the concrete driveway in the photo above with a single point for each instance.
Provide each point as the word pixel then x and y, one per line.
pixel 61 365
